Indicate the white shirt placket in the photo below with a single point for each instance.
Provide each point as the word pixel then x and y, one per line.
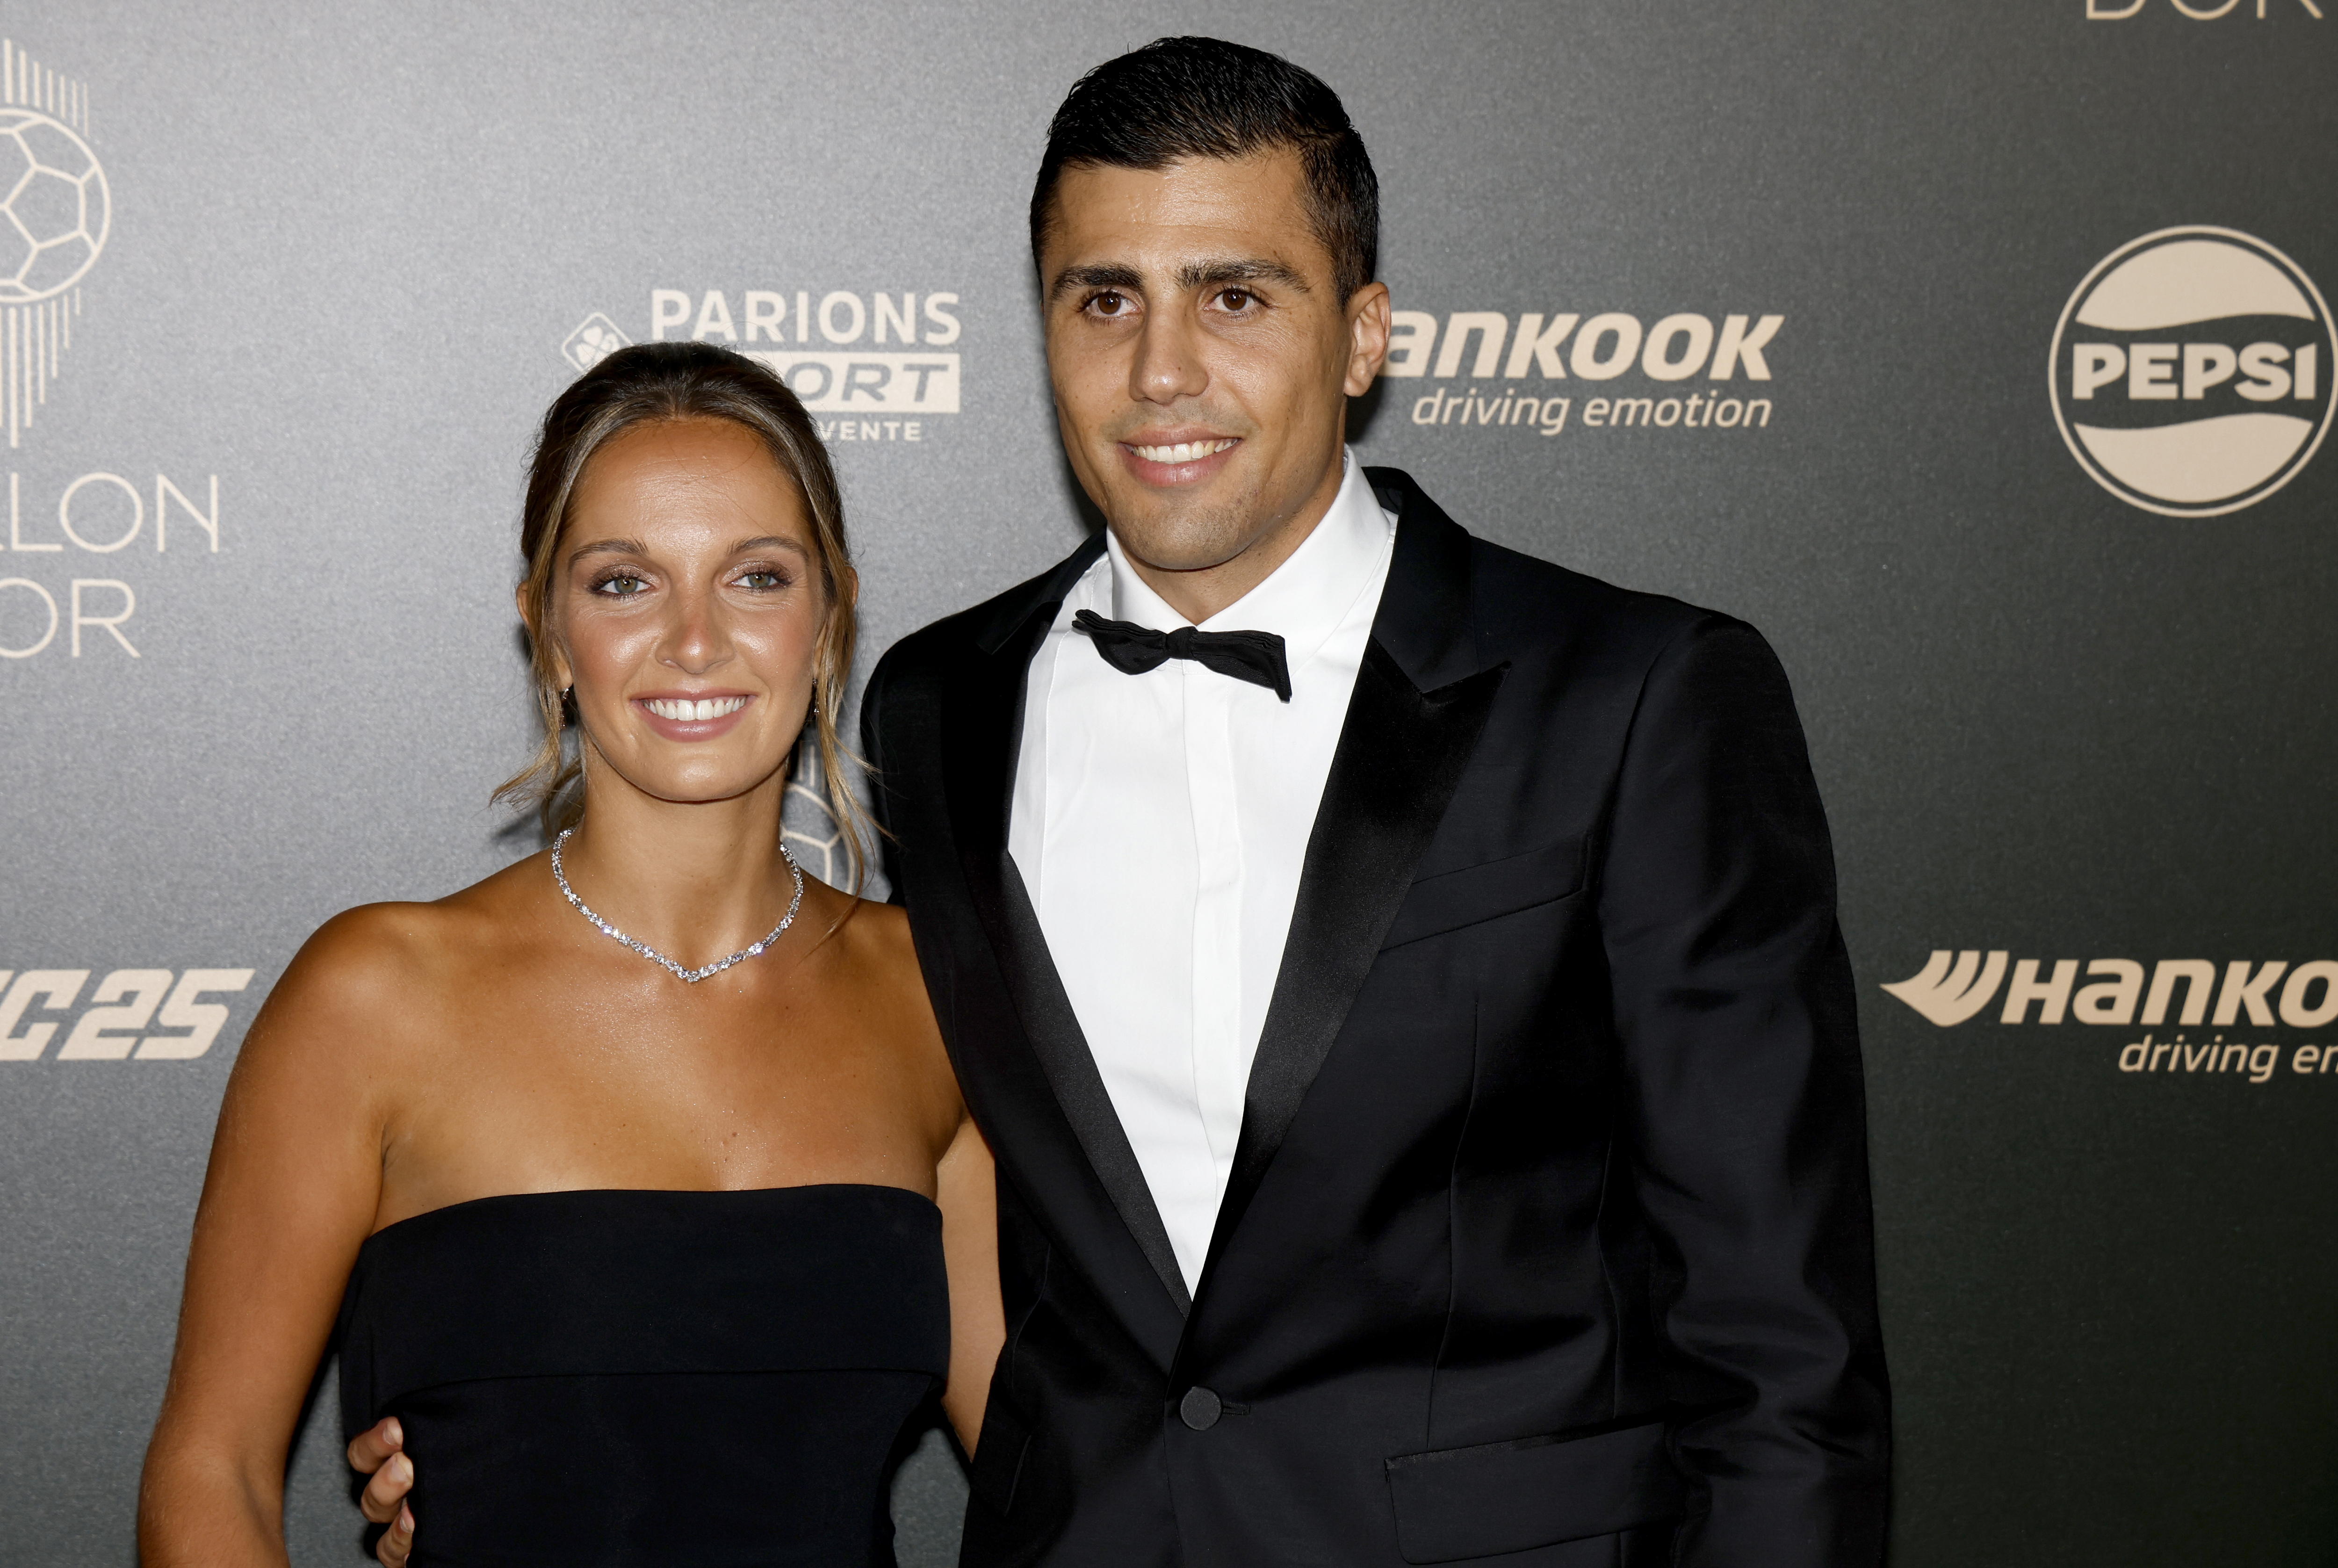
pixel 1161 821
pixel 1220 1052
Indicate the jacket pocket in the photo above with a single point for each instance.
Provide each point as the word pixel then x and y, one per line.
pixel 1487 891
pixel 998 1452
pixel 1497 1497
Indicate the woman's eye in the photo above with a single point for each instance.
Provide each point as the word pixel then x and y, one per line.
pixel 762 580
pixel 623 585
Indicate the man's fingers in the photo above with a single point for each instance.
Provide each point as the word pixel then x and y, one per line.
pixel 397 1541
pixel 376 1443
pixel 387 1491
pixel 379 1452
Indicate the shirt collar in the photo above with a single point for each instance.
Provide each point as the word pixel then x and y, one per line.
pixel 1304 600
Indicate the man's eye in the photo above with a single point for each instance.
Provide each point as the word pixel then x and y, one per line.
pixel 1109 303
pixel 1237 299
pixel 619 586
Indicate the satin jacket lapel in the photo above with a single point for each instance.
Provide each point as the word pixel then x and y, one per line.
pixel 983 729
pixel 1419 703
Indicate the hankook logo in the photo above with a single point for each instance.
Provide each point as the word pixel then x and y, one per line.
pixel 2190 371
pixel 1672 363
pixel 1957 985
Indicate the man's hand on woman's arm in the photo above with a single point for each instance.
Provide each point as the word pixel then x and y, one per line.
pixel 379 1452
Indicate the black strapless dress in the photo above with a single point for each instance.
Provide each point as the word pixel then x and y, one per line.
pixel 616 1379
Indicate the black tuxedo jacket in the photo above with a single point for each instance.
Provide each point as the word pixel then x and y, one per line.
pixel 1548 1238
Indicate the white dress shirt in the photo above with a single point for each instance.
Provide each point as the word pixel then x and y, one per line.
pixel 1159 823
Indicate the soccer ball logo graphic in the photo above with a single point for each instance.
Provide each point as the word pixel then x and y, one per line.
pixel 55 211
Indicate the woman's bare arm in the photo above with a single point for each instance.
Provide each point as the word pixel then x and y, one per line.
pixel 968 1191
pixel 292 1190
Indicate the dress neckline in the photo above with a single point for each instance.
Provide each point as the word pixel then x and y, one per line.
pixel 648 1192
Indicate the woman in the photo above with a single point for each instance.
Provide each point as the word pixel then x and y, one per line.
pixel 646 1145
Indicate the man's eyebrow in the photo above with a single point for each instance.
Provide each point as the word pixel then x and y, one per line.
pixel 1100 275
pixel 1257 270
pixel 1192 275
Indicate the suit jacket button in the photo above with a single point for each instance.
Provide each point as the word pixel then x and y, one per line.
pixel 1200 1409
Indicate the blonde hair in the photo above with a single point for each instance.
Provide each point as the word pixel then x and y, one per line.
pixel 645 384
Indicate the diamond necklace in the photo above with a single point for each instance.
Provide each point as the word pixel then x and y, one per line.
pixel 691 976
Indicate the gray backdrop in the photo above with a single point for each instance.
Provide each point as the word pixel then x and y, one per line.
pixel 349 253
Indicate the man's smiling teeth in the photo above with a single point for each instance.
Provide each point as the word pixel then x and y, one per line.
pixel 703 708
pixel 1182 452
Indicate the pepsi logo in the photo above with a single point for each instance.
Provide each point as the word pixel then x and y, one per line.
pixel 2191 372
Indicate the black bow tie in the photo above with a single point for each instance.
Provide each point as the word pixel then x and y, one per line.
pixel 1252 656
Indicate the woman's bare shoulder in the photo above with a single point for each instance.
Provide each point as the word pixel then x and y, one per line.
pixel 887 924
pixel 378 963
pixel 876 936
pixel 883 969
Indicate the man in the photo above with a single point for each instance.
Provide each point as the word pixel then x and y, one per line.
pixel 1408 1011
pixel 1421 1065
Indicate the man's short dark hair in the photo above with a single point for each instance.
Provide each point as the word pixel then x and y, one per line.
pixel 1179 98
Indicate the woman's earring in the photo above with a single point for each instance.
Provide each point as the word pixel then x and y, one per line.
pixel 568 707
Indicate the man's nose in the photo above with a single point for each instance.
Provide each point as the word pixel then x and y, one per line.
pixel 1168 363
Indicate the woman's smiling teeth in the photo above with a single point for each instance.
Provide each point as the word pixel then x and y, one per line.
pixel 703 708
pixel 1183 451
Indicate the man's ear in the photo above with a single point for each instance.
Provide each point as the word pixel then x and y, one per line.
pixel 1367 337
